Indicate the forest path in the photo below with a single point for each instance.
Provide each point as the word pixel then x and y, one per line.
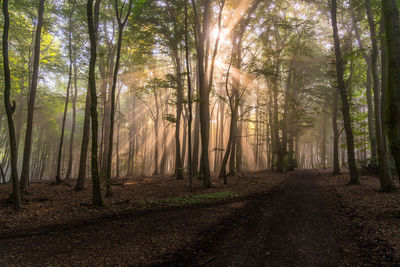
pixel 299 223
pixel 294 228
pixel 302 224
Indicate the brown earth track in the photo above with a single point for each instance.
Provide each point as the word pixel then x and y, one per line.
pixel 303 224
pixel 299 223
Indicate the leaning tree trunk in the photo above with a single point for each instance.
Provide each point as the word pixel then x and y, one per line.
pixel 392 94
pixel 31 103
pixel 345 101
pixel 385 175
pixel 10 109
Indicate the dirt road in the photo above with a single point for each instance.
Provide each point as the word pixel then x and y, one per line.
pixel 299 224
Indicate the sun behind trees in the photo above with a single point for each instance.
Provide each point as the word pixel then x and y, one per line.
pixel 204 89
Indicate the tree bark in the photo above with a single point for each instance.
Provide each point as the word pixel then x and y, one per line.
pixel 121 25
pixel 336 165
pixel 93 25
pixel 345 102
pixel 372 129
pixel 60 147
pixel 392 86
pixel 72 136
pixel 196 138
pixel 385 175
pixel 80 184
pixel 189 94
pixel 31 103
pixel 10 109
pixel 179 100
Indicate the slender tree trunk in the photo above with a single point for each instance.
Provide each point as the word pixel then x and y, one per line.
pixel 93 25
pixel 221 127
pixel 233 147
pixel 156 172
pixel 371 111
pixel 345 101
pixel 121 25
pixel 336 167
pixel 184 140
pixel 278 146
pixel 239 140
pixel 156 133
pixel 385 175
pixel 179 107
pixel 144 138
pixel 196 140
pixel 323 152
pixel 72 136
pixel 228 151
pixel 80 184
pixel 31 103
pixel 60 147
pixel 10 109
pixel 163 160
pixel 189 94
pixel 2 174
pixel 117 156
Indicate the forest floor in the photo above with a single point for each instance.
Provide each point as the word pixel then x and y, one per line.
pixel 303 218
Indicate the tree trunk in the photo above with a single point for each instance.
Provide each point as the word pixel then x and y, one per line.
pixel 202 34
pixel 392 86
pixel 60 147
pixel 163 160
pixel 345 101
pixel 184 140
pixel 196 140
pixel 121 25
pixel 80 184
pixel 323 152
pixel 228 151
pixel 278 146
pixel 385 175
pixel 155 172
pixel 72 137
pixel 10 109
pixel 371 111
pixel 31 103
pixel 336 167
pixel 93 25
pixel 156 132
pixel 179 101
pixel 189 93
